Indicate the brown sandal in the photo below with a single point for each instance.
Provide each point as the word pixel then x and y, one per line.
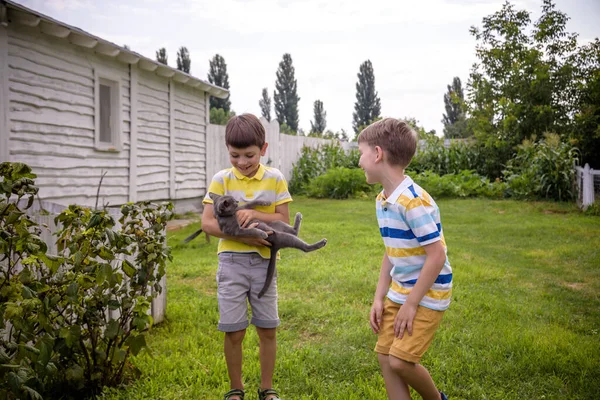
pixel 262 394
pixel 234 392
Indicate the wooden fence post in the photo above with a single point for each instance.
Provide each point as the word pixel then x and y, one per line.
pixel 588 187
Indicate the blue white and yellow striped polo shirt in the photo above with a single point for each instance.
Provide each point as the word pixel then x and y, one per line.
pixel 408 220
pixel 268 184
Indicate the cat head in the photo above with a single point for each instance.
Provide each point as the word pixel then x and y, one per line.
pixel 223 205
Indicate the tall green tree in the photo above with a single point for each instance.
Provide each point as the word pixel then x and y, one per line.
pixel 184 63
pixel 455 124
pixel 265 105
pixel 217 75
pixel 586 121
pixel 368 105
pixel 218 116
pixel 286 94
pixel 320 118
pixel 161 56
pixel 523 84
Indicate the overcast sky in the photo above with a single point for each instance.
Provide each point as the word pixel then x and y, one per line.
pixel 416 47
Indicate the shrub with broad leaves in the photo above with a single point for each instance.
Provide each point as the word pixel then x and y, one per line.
pixel 70 321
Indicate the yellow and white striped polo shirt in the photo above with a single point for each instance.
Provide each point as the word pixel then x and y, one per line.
pixel 268 184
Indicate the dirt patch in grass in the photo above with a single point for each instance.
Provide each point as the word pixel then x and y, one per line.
pixel 555 211
pixel 575 285
pixel 307 337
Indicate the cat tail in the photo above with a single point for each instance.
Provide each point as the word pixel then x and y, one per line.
pixel 192 236
pixel 270 272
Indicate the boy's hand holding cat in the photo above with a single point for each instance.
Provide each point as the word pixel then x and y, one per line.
pixel 253 240
pixel 245 216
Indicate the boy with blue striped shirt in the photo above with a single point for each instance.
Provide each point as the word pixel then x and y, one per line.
pixel 415 282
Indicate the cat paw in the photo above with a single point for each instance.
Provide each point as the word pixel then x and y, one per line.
pixel 323 242
pixel 263 235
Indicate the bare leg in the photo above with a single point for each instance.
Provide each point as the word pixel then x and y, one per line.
pixel 416 376
pixel 268 354
pixel 396 388
pixel 233 358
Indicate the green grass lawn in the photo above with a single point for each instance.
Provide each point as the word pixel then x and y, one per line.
pixel 524 322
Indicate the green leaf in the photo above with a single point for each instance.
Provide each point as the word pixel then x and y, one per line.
pixel 33 395
pixel 105 254
pixel 45 346
pixel 119 356
pixel 112 329
pixel 104 273
pixel 27 293
pixel 136 343
pixel 128 268
pixel 51 261
pixel 14 381
pixel 95 220
pixel 72 290
pixel 114 304
pixel 74 374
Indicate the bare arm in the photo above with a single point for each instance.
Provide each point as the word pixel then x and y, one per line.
pixel 210 225
pixel 383 286
pixel 384 278
pixel 434 262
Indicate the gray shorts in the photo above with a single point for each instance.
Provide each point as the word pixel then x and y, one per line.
pixel 241 277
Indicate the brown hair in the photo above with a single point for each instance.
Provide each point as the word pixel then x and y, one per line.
pixel 243 131
pixel 395 137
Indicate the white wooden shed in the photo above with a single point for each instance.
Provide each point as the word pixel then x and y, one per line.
pixel 74 106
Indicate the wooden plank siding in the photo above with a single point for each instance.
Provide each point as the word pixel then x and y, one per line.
pixel 50 115
pixel 51 112
pixel 4 73
pixel 153 137
pixel 190 142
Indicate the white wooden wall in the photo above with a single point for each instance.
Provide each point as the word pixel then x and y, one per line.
pixel 190 142
pixel 51 118
pixel 49 114
pixel 153 137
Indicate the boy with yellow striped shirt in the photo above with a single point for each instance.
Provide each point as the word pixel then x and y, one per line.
pixel 243 261
pixel 415 282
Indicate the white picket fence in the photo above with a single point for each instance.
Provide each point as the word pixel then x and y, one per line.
pixel 44 212
pixel 282 151
pixel 588 186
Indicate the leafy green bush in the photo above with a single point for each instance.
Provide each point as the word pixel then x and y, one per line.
pixel 316 161
pixel 543 169
pixel 69 322
pixel 463 184
pixel 339 183
pixel 593 209
pixel 433 156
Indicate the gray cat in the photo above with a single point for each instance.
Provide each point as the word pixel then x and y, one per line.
pixel 283 236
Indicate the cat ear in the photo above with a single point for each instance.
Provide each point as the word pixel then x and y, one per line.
pixel 213 196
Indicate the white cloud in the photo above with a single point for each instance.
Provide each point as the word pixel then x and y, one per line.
pixel 263 16
pixel 61 5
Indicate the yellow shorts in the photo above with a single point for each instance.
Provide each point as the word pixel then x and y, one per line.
pixel 409 348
